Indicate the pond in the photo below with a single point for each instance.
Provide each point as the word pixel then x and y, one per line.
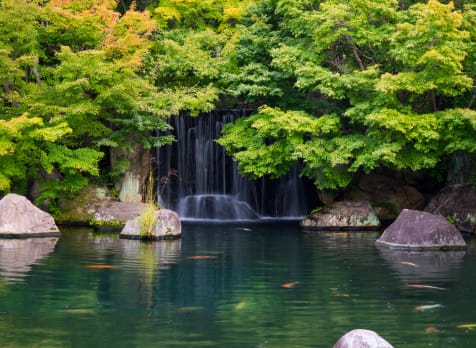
pixel 222 286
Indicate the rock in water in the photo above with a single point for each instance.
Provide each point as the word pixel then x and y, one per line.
pixel 19 218
pixel 418 230
pixel 167 226
pixel 343 215
pixel 360 338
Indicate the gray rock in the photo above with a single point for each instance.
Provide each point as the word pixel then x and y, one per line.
pixel 418 230
pixel 167 226
pixel 361 338
pixel 388 195
pixel 19 218
pixel 457 202
pixel 343 215
pixel 83 207
pixel 96 205
pixel 114 211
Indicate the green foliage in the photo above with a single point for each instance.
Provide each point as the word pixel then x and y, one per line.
pixel 29 147
pixel 315 210
pixel 451 219
pixel 100 221
pixel 147 218
pixel 396 80
pixel 198 14
pixel 75 68
pixel 341 86
pixel 147 221
pixel 431 44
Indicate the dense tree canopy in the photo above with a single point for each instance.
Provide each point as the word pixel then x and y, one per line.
pixel 399 82
pixel 339 86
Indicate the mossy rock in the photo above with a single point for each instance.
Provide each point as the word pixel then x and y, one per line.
pixel 82 208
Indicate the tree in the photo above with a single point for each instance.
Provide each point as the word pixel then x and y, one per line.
pixel 192 50
pixel 89 86
pixel 30 145
pixel 398 76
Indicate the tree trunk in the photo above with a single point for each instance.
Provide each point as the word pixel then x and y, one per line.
pixel 462 169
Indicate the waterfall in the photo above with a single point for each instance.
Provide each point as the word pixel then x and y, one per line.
pixel 198 180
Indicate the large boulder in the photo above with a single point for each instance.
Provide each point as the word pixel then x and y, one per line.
pixel 343 215
pixel 457 202
pixel 114 213
pixel 418 230
pixel 361 338
pixel 96 205
pixel 19 218
pixel 388 195
pixel 82 208
pixel 167 226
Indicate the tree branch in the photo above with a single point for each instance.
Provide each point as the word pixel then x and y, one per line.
pixel 355 52
pixel 35 72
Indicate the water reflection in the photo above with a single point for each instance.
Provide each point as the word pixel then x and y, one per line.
pixel 424 266
pixel 343 240
pixel 17 256
pixel 159 294
pixel 151 256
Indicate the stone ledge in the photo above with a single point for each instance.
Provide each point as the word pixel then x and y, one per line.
pixel 344 216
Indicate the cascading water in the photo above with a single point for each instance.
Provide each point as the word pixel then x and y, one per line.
pixel 199 181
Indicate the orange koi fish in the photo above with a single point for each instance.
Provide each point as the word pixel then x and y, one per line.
pixel 100 266
pixel 422 286
pixel 289 285
pixel 431 329
pixel 201 257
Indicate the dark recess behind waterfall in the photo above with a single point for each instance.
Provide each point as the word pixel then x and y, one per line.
pixel 203 168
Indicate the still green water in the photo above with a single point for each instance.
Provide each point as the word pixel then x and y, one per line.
pixel 155 295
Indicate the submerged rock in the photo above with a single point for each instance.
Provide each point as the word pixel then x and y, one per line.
pixel 19 218
pixel 418 230
pixel 343 215
pixel 361 338
pixel 457 202
pixel 167 226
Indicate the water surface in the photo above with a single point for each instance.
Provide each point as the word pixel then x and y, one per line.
pixel 221 286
